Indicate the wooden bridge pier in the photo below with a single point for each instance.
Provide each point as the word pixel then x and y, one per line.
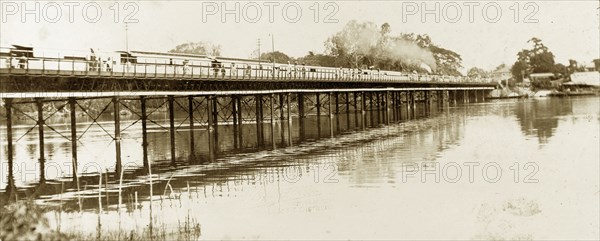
pixel 318 107
pixel 384 107
pixel 171 101
pixel 355 109
pixel 363 112
pixel 240 119
pixel 259 119
pixel 41 123
pixel 272 120
pixel 331 114
pixel 282 118
pixel 210 127
pixel 73 118
pixel 234 115
pixel 9 145
pixel 144 118
pixel 301 116
pixel 337 111
pixel 289 119
pixel 191 110
pixel 347 96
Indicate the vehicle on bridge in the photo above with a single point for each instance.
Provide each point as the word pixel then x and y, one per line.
pixel 27 60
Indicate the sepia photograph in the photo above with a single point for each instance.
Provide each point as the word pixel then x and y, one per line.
pixel 299 120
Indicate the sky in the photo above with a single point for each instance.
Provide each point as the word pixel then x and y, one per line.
pixel 484 33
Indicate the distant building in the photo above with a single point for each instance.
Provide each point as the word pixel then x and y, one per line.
pixel 545 80
pixel 591 79
pixel 541 76
pixel 591 67
pixel 502 74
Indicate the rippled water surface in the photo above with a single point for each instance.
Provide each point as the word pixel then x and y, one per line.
pixel 518 169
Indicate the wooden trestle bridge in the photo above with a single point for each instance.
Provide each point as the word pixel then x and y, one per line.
pixel 258 96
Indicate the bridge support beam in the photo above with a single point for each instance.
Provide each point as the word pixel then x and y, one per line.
pixel 443 98
pixel 72 111
pixel 40 123
pixel 413 104
pixel 258 103
pixel 427 100
pixel 363 113
pixel 413 100
pixel 378 106
pixel 318 106
pixel 398 104
pixel 240 119
pixel 289 119
pixel 272 119
pixel 407 100
pixel 337 111
pixel 171 100
pixel 192 154
pixel 9 147
pixel 215 116
pixel 454 97
pixel 355 96
pixel 144 118
pixel 117 138
pixel 371 120
pixel 301 116
pixel 394 103
pixel 210 127
pixel 347 110
pixel 282 118
pixel 330 110
pixel 387 107
pixel 234 114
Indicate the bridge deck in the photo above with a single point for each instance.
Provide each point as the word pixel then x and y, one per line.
pixel 54 75
pixel 97 94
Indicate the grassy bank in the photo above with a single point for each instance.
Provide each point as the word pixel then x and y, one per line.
pixel 24 220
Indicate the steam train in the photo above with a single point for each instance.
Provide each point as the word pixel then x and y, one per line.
pixel 156 63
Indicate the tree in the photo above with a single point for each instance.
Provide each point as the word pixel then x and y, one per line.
pixel 560 70
pixel 597 64
pixel 279 57
pixel 541 59
pixel 448 62
pixel 363 44
pixel 200 48
pixel 356 43
pixel 319 60
pixel 536 60
pixel 499 67
pixel 519 70
pixel 477 73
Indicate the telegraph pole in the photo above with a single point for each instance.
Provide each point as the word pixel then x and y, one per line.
pixel 273 50
pixel 258 50
pixel 127 37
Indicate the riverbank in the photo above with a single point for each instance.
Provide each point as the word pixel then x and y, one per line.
pixel 25 220
pixel 520 92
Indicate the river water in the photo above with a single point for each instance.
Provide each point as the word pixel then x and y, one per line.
pixel 511 169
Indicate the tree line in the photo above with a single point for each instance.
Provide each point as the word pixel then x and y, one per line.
pixel 362 45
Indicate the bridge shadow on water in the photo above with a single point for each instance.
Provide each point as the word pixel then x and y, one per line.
pixel 247 163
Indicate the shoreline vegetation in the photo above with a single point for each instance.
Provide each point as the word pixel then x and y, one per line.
pixel 26 220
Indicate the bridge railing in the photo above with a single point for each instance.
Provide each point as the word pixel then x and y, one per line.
pixel 195 69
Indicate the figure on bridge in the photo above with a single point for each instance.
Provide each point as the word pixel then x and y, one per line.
pixel 23 62
pixel 186 67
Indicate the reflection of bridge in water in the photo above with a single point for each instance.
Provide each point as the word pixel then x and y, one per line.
pixel 273 106
pixel 431 132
